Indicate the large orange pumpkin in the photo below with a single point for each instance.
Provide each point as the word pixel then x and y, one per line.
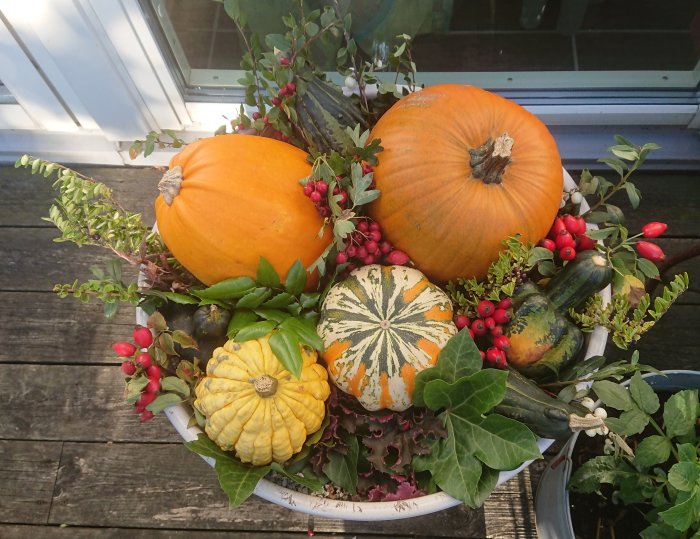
pixel 230 199
pixel 462 169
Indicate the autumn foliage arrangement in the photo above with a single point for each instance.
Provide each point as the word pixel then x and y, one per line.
pixel 346 283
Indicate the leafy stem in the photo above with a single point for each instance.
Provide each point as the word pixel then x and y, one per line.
pixel 620 185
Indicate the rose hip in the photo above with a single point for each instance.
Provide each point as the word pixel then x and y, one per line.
pixel 478 327
pixel 461 321
pixel 485 308
pixel 144 360
pixel 128 368
pixel 124 349
pixel 143 336
pixel 501 316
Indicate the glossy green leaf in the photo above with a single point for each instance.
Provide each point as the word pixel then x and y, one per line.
pixel 296 279
pixel 254 299
pixel 255 331
pixel 233 288
pixel 305 330
pixel 275 315
pixel 266 274
pixel 240 319
pixel 237 480
pixel 285 346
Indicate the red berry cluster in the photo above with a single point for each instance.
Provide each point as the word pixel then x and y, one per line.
pixel 317 191
pixel 487 330
pixel 366 246
pixel 567 237
pixel 141 362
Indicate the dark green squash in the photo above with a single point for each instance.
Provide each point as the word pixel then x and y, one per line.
pixel 210 321
pixel 542 339
pixel 546 416
pixel 324 113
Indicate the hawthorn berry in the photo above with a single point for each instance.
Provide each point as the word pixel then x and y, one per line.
pixel 256 115
pixel 374 235
pixel 291 88
pixel 371 246
pixel 485 308
pixel 284 61
pixel 341 257
pixel 308 188
pixel 489 322
pixel 567 253
pixel 397 258
pixel 315 197
pixel 478 327
pixel 501 316
pixel 276 101
pixel 505 303
pixel 321 187
pixel 557 227
pixel 143 336
pixel 501 342
pixel 493 354
pixel 571 224
pixel 385 247
pixel 363 226
pixel 497 331
pixel 461 321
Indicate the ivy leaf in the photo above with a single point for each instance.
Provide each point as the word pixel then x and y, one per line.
pixel 459 357
pixel 285 346
pixel 266 274
pixel 499 442
pixel 296 279
pixel 237 480
pixel 342 469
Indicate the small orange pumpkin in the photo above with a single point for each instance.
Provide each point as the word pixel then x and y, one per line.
pixel 230 199
pixel 462 169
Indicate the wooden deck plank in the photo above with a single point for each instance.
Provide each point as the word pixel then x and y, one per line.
pixel 27 475
pixel 166 486
pixel 71 402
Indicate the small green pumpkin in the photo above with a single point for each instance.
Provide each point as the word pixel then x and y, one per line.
pixel 380 327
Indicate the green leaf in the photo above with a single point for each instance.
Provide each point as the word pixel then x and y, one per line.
pixel 459 357
pixel 633 195
pixel 305 330
pixel 285 346
pixel 296 279
pixel 134 388
pixel 601 234
pixel 182 299
pixel 643 394
pixel 266 274
pixel 652 450
pixel 648 268
pixel 233 288
pixel 684 476
pixel 342 469
pixel 616 164
pixel 275 315
pixel 680 516
pixel 681 412
pixel 687 452
pixel 241 318
pixel 163 401
pixel 613 394
pixel 312 483
pixel 255 331
pixel 173 383
pixel 499 442
pixel 592 473
pixel 278 301
pixel 630 422
pixel 254 298
pixel 237 480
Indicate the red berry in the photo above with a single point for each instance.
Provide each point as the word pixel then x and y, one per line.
pixel 571 224
pixel 363 226
pixel 153 372
pixel 471 333
pixel 481 353
pixel 284 61
pixel 501 342
pixel 502 362
pixel 323 211
pixel 650 251
pixel 479 327
pixel 240 127
pixel 351 251
pixel 291 88
pixel 584 243
pixel 308 188
pixel 374 235
pixel 371 247
pixel 385 247
pixel 276 101
pixel 146 415
pixel 341 258
pixel 374 226
pixel 343 198
pixel 128 368
pixel 493 354
pixel 505 303
pixel 489 322
pixel 124 349
pixel 351 267
pixel 564 239
pixel 321 187
pixel 283 91
pixel 461 321
pixel 152 386
pixel 653 229
pixel 143 336
pixel 582 228
pixel 367 168
pixel 567 253
pixel 266 120
pixel 362 252
pixel 556 229
pixel 369 259
pixel 256 115
pixel 485 308
pixel 548 244
pixel 144 360
pixel 145 399
pixel 397 258
pixel 497 331
pixel 315 197
pixel 501 316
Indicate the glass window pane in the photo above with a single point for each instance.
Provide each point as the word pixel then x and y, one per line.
pixel 455 40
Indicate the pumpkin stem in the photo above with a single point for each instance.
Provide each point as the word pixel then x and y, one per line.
pixel 169 185
pixel 265 386
pixel 489 160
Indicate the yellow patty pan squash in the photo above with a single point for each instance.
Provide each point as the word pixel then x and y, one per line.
pixel 257 408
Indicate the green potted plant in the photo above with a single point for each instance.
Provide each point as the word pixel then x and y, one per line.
pixel 643 477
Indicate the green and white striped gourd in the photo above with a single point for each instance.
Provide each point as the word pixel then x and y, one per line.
pixel 381 326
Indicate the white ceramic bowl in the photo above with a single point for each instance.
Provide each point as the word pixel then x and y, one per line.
pixel 179 415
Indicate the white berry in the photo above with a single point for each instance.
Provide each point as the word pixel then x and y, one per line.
pixel 576 197
pixel 600 412
pixel 350 82
pixel 588 403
